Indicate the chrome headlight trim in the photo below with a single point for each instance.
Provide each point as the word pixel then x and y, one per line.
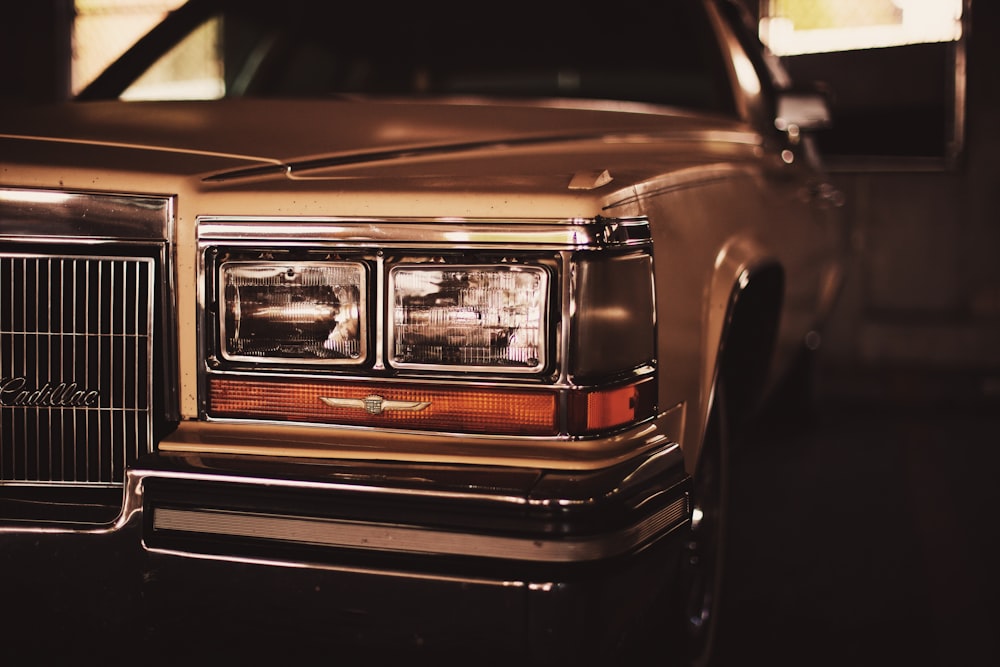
pixel 549 249
pixel 291 300
pixel 452 233
pixel 495 318
pixel 63 215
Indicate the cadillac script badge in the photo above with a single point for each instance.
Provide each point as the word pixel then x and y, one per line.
pixel 15 391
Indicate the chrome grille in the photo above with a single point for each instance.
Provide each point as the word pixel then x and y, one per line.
pixel 76 350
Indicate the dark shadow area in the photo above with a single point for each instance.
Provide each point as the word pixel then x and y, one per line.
pixel 865 532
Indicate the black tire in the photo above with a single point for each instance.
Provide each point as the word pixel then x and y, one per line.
pixel 702 564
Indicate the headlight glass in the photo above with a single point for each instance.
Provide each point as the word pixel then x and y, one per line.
pixel 469 317
pixel 293 312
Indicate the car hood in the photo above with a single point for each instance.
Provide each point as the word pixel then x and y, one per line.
pixel 240 135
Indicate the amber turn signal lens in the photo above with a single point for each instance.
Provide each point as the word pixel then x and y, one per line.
pixel 603 409
pixel 460 410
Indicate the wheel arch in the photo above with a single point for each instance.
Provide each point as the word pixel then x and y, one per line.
pixel 747 345
pixel 743 314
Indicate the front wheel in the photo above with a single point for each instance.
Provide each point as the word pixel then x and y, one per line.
pixel 702 561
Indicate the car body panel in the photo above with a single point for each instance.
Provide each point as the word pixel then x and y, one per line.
pixel 568 533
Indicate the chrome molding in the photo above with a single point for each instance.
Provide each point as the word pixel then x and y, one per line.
pixel 454 233
pixel 172 523
pixel 167 522
pixel 353 569
pixel 390 537
pixel 66 216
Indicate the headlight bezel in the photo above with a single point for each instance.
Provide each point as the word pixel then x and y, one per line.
pixel 377 350
pixel 296 314
pixel 589 400
pixel 528 272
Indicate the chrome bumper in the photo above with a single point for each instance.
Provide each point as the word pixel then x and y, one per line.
pixel 433 561
pixel 354 513
pixel 295 512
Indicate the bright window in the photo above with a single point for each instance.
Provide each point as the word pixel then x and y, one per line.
pixel 192 70
pixel 104 29
pixel 791 27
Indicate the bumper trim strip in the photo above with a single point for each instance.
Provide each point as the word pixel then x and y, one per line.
pixel 407 539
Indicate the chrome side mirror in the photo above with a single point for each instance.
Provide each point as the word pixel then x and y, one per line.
pixel 802 111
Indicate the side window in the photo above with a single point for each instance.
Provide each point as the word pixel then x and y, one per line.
pixel 894 68
pixel 192 70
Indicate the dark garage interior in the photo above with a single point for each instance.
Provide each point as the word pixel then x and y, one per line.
pixel 862 525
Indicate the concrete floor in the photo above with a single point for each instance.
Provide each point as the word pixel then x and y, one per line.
pixel 866 533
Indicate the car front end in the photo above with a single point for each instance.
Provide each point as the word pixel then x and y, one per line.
pixel 430 352
pixel 460 398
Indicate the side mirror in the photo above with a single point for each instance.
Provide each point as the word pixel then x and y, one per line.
pixel 802 111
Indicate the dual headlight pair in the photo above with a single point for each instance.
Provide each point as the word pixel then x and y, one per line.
pixel 452 318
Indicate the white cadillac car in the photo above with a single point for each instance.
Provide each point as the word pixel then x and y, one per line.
pixel 414 333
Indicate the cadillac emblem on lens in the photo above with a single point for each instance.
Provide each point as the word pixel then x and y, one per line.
pixel 16 392
pixel 374 404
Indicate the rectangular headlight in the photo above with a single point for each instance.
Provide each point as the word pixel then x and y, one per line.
pixel 292 312
pixel 490 318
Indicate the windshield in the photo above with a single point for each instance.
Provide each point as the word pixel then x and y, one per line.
pixel 661 53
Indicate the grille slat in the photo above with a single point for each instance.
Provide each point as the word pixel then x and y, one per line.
pixel 76 345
